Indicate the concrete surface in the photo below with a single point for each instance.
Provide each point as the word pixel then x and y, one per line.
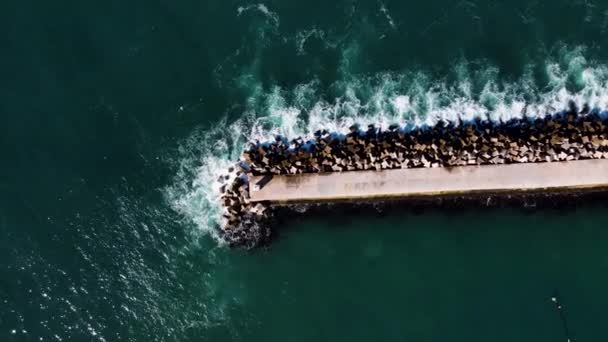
pixel 580 174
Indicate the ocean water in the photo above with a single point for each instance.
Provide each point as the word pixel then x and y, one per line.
pixel 117 117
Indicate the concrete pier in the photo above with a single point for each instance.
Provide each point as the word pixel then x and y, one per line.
pixel 415 182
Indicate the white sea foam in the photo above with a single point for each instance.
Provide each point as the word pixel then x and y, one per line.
pixel 303 36
pixel 260 8
pixel 387 15
pixel 407 98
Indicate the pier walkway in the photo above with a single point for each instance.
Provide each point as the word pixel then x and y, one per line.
pixel 396 183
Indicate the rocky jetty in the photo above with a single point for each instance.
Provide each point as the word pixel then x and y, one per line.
pixel 245 223
pixel 554 138
pixel 571 135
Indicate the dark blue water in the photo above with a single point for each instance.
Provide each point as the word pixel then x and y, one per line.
pixel 117 117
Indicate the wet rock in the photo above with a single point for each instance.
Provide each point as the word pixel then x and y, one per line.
pixel 575 134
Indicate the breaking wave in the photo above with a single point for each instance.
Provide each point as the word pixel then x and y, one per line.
pixel 470 90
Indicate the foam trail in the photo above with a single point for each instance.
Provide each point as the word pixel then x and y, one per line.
pixel 302 37
pixel 387 15
pixel 408 98
pixel 261 8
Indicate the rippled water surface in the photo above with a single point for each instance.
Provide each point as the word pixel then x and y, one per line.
pixel 116 118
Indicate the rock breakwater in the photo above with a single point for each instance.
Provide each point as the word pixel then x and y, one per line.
pixel 571 135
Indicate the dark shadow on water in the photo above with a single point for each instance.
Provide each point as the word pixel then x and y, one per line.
pixel 346 213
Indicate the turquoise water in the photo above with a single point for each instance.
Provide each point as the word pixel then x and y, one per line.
pixel 117 118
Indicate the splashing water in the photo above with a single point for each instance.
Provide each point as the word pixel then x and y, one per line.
pixel 406 98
